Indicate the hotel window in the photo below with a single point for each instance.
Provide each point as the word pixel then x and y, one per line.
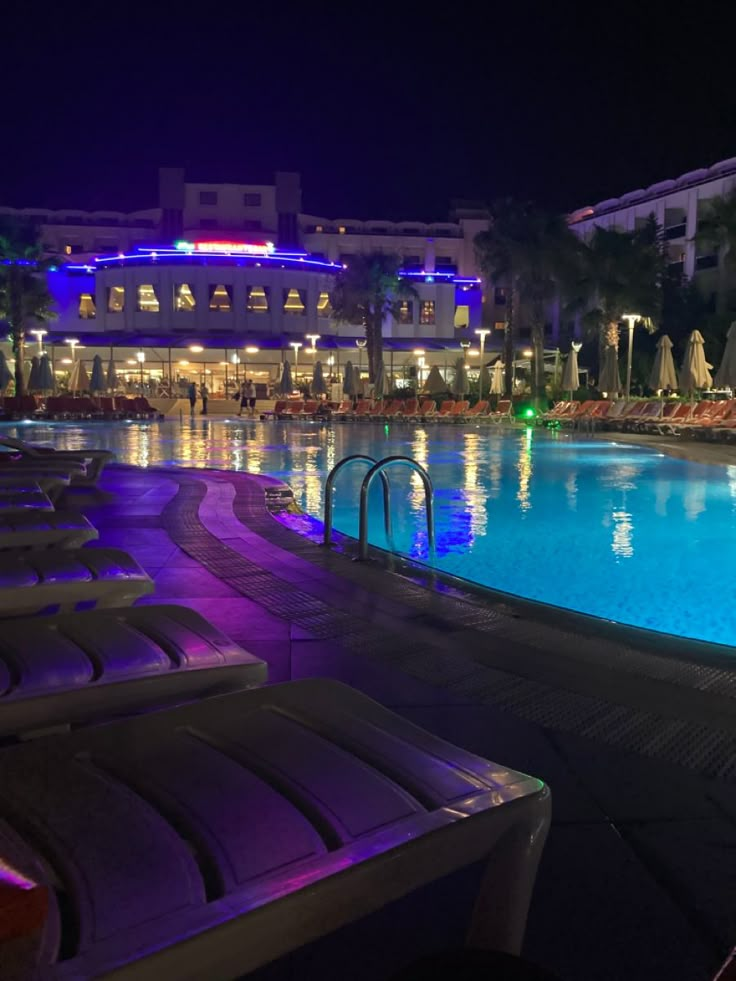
pixel 208 197
pixel 341 230
pixel 324 307
pixel 257 299
pixel 87 308
pixel 251 200
pixel 115 299
pixel 147 299
pixel 72 249
pixel 499 296
pixel 252 225
pixel 319 228
pixel 462 316
pixel 221 299
pixel 426 312
pixel 184 301
pixel 406 312
pixel 500 325
pixel 294 302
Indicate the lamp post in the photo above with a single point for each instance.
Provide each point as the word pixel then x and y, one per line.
pixel 236 361
pixel 72 342
pixel 39 334
pixel 296 345
pixel 482 333
pixel 631 319
pixel 141 357
pixel 313 338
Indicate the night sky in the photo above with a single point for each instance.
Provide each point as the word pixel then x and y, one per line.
pixel 388 111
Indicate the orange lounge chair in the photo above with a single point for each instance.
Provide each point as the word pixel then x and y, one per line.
pixel 479 409
pixel 428 409
pixel 292 410
pixel 377 409
pixel 393 409
pixel 672 418
pixel 502 411
pixel 446 408
pixel 408 409
pixel 458 413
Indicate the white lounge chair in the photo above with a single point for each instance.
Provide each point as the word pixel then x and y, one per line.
pixel 19 501
pixel 53 484
pixel 33 581
pixel 94 460
pixel 207 840
pixel 45 529
pixel 72 669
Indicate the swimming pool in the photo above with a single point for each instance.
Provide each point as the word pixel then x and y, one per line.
pixel 620 532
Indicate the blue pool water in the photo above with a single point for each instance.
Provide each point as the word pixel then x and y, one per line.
pixel 621 532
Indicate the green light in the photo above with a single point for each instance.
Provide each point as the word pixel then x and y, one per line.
pixel 385 428
pixel 183 246
pixel 529 413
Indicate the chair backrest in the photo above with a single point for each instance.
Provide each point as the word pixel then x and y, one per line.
pixel 410 406
pixel 460 408
pixel 310 407
pixel 652 410
pixel 480 407
pixel 344 406
pixel 504 407
pixel 702 409
pixel 364 406
pixel 447 406
pixel 617 409
pixel 428 405
pixel 633 409
pixel 558 407
pixel 378 408
pixel 294 407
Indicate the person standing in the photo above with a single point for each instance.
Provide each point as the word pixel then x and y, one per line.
pixel 248 398
pixel 204 395
pixel 192 394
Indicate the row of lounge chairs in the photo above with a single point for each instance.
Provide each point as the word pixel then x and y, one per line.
pixel 708 419
pixel 211 824
pixel 412 410
pixel 77 407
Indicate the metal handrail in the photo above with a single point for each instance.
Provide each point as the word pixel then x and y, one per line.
pixel 378 470
pixel 330 487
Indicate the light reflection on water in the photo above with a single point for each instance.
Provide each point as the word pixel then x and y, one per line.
pixel 619 532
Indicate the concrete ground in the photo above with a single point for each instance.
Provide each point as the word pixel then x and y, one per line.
pixel 639 748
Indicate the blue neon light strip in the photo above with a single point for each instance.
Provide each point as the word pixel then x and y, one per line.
pixel 153 254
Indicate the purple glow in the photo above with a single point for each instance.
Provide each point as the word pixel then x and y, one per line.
pixel 12 877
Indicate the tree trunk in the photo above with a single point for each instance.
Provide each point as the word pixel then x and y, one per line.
pixel 509 344
pixel 377 358
pixel 18 346
pixel 538 382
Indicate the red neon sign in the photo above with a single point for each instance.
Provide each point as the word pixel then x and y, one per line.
pixel 240 248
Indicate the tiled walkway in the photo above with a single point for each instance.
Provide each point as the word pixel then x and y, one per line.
pixel 638 877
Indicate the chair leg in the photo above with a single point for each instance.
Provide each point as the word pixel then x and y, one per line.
pixel 499 917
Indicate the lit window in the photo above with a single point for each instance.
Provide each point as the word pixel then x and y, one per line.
pixel 251 200
pixel 324 307
pixel 257 299
pixel 294 302
pixel 221 300
pixel 426 312
pixel 208 197
pixel 68 249
pixel 499 296
pixel 462 316
pixel 115 299
pixel 147 299
pixel 341 230
pixel 500 325
pixel 319 228
pixel 184 298
pixel 406 312
pixel 87 308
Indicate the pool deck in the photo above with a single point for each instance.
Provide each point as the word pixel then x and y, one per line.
pixel 639 748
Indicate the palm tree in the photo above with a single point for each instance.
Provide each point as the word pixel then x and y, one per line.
pixel 368 290
pixel 531 251
pixel 717 229
pixel 620 273
pixel 24 294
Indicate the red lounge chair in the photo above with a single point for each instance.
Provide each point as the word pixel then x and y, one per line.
pixel 446 408
pixel 292 410
pixel 393 409
pixel 408 409
pixel 378 409
pixel 363 408
pixel 479 409
pixel 502 411
pixel 428 409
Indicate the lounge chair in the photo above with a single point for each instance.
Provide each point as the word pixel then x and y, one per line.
pixel 478 410
pixel 377 409
pixel 53 484
pixel 458 413
pixel 75 668
pixel 19 501
pixel 393 409
pixel 710 416
pixel 502 412
pixel 408 409
pixel 276 411
pixel 34 581
pixel 94 460
pixel 651 411
pixel 674 415
pixel 292 409
pixel 557 409
pixel 208 840
pixel 362 409
pixel 428 409
pixel 45 529
pixel 446 409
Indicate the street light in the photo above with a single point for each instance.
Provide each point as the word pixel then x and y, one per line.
pixel 313 338
pixel 631 319
pixel 140 358
pixel 296 345
pixel 360 343
pixel 72 342
pixel 481 332
pixel 40 334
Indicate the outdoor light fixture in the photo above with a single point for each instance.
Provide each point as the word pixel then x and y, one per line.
pixel 419 352
pixel 296 345
pixel 140 358
pixel 252 350
pixel 235 359
pixel 196 348
pixel 313 338
pixel 474 353
pixel 631 319
pixel 183 364
pixel 72 342
pixel 527 353
pixel 330 361
pixel 39 334
pixel 66 361
pixel 481 332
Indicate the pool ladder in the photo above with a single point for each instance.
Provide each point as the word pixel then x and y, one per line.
pixel 377 469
